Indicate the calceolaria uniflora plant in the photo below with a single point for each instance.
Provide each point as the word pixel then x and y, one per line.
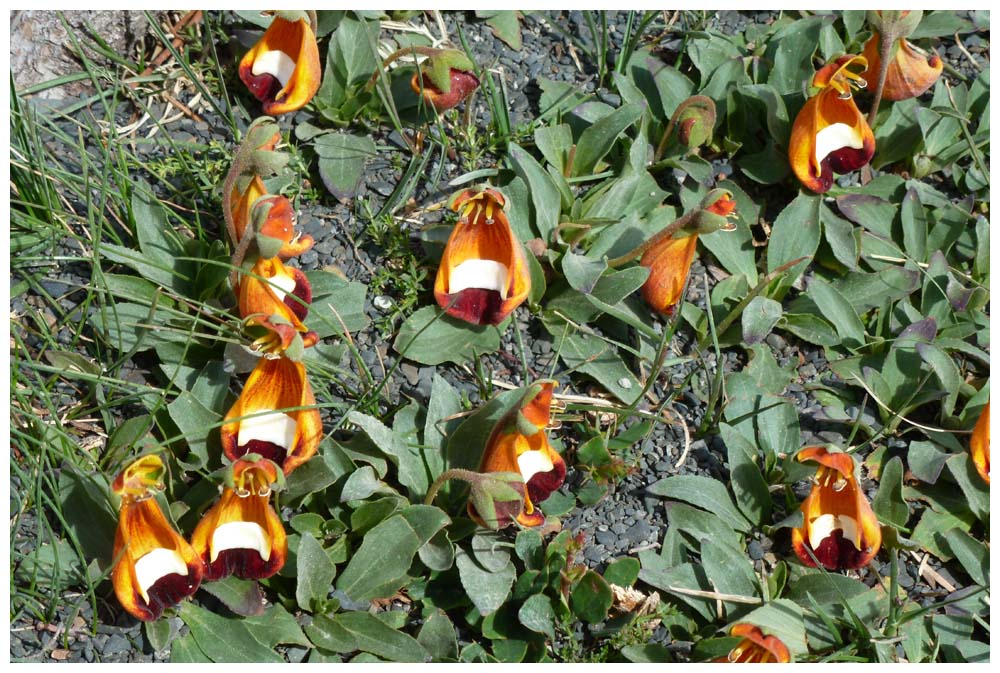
pixel 505 336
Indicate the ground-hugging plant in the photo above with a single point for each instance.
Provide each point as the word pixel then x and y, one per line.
pixel 651 235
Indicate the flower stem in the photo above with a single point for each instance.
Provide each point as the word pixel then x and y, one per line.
pixel 885 52
pixel 666 232
pixel 454 473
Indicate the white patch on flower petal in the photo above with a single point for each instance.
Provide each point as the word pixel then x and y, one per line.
pixel 823 525
pixel 275 427
pixel 276 63
pixel 483 274
pixel 835 137
pixel 239 535
pixel 281 286
pixel 156 564
pixel 531 463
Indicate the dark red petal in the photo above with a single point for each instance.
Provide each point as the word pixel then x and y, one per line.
pixel 170 590
pixel 478 306
pixel 303 292
pixel 847 159
pixel 542 484
pixel 268 450
pixel 247 564
pixel 837 553
pixel 264 87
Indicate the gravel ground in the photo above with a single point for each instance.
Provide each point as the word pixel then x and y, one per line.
pixel 628 519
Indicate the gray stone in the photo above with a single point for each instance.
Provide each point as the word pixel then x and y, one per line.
pixel 638 533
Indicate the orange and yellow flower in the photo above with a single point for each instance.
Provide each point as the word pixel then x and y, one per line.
pixel 755 647
pixel 274 217
pixel 519 444
pixel 155 567
pixel 979 445
pixel 483 274
pixel 276 297
pixel 266 419
pixel 830 134
pixel 241 534
pixel 283 69
pixel 909 74
pixel 839 525
pixel 669 260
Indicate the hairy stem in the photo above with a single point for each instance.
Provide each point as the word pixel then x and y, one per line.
pixel 454 473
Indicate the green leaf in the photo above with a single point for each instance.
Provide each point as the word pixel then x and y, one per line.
pixel 592 356
pixel 730 571
pixel 225 640
pixel 649 653
pixel 977 494
pixel 159 634
pixel 330 635
pixel 583 273
pixel 926 460
pixel 408 459
pixel 199 426
pixel 159 242
pixel 315 573
pixel 319 473
pixel 709 494
pixel 940 23
pixel 342 161
pixel 791 49
pixel 795 234
pixel 930 531
pixel 888 502
pixel 865 291
pixel 337 304
pixel 554 143
pixel 947 372
pixel 537 614
pixel 370 634
pixel 972 554
pixel 825 588
pixel 783 619
pixel 664 86
pixel 544 193
pixel 749 486
pixel 759 318
pixel 241 596
pixel 763 417
pixel 361 484
pixel 623 572
pixel 914 221
pixel 486 589
pixel 809 327
pixel 591 598
pixel 185 650
pixel 439 553
pixel 838 311
pixel 438 637
pixel 505 26
pixel 657 572
pixel 351 59
pixel 444 403
pixel 839 233
pixel 446 340
pixel 596 141
pixel 378 568
pixel 276 626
